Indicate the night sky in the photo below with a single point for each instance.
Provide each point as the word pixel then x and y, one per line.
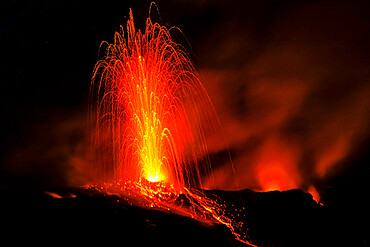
pixel 288 78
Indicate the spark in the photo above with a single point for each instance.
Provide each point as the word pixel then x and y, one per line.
pixel 152 116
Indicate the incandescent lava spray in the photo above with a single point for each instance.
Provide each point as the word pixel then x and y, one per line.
pixel 152 118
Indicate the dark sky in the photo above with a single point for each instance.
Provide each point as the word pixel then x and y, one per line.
pixel 289 80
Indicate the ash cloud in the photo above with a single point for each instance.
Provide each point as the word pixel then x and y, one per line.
pixel 294 98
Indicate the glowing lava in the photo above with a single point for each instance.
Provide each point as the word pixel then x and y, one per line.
pixel 315 194
pixel 152 119
pixel 146 89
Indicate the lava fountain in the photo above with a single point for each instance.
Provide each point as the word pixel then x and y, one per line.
pixel 151 120
pixel 151 110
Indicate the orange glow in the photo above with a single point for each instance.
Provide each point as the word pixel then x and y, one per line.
pixel 315 194
pixel 152 110
pixel 53 194
pixel 187 202
pixel 57 196
pixel 331 155
pixel 152 119
pixel 276 168
pixel 275 178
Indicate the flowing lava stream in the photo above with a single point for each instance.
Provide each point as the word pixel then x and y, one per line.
pixel 149 135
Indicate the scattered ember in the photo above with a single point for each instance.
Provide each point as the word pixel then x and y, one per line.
pixel 163 196
pixel 152 119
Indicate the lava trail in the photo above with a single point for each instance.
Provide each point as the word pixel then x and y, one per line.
pixel 152 117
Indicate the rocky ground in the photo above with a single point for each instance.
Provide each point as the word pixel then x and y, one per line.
pixel 80 216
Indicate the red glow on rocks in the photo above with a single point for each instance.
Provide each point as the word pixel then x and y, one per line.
pixel 315 194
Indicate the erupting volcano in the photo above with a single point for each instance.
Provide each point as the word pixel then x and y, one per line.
pixel 152 119
pixel 149 110
pixel 125 145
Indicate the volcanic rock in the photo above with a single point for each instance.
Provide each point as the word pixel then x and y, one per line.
pixel 289 218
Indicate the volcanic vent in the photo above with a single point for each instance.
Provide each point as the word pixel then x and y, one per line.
pixel 152 120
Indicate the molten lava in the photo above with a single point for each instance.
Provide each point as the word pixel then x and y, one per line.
pixel 152 119
pixel 147 88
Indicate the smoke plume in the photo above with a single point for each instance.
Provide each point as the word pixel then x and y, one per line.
pixel 296 108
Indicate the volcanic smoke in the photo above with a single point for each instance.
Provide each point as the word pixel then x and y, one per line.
pixel 152 119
